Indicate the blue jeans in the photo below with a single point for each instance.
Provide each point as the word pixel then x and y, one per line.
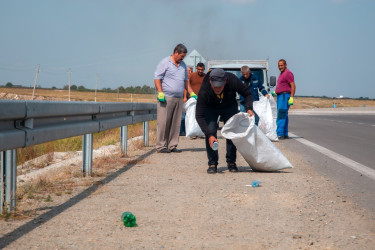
pixel 282 114
pixel 212 115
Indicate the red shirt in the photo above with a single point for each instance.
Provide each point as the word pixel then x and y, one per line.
pixel 283 83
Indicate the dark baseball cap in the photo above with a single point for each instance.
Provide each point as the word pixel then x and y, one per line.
pixel 218 77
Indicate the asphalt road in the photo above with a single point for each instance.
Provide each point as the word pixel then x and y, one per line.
pixel 346 134
pixel 349 134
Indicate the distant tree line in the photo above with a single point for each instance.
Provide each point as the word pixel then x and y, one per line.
pixel 145 90
pixel 134 90
pixel 137 89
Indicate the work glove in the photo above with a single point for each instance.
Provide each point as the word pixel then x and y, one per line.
pixel 273 93
pixel 290 101
pixel 193 95
pixel 161 97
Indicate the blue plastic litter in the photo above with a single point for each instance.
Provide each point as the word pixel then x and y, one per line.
pixel 255 183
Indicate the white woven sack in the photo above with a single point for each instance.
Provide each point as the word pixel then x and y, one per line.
pixel 267 123
pixel 274 112
pixel 191 125
pixel 257 150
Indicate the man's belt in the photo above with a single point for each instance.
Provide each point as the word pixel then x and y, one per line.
pixel 283 93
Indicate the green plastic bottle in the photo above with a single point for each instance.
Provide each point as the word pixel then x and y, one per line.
pixel 128 219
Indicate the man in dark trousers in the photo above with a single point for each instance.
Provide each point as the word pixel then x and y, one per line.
pixel 217 97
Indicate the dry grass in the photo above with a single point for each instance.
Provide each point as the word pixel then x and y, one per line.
pixel 104 138
pixel 59 185
pixel 310 102
pixel 63 95
pixel 56 186
pixel 109 137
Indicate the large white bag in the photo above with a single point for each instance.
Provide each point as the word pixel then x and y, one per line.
pixel 258 151
pixel 274 111
pixel 191 125
pixel 267 122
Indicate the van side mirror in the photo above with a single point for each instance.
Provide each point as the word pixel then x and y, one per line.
pixel 273 81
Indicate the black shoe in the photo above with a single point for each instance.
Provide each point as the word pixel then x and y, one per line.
pixel 286 137
pixel 164 150
pixel 176 150
pixel 232 167
pixel 281 137
pixel 212 169
pixel 182 134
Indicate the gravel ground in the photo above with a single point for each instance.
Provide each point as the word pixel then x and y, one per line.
pixel 179 206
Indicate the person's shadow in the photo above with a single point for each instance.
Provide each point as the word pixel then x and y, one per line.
pixel 194 149
pixel 248 169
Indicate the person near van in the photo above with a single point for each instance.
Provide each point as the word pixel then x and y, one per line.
pixel 196 78
pixel 171 78
pixel 217 97
pixel 254 84
pixel 182 127
pixel 195 81
pixel 285 90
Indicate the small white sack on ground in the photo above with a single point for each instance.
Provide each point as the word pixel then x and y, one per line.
pixel 257 150
pixel 191 125
pixel 267 120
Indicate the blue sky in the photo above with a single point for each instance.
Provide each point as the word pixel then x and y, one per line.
pixel 329 44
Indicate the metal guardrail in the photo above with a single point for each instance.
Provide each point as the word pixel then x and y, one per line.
pixel 27 123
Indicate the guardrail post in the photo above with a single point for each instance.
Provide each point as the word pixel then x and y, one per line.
pixel 124 139
pixel 8 180
pixel 145 133
pixel 2 176
pixel 87 155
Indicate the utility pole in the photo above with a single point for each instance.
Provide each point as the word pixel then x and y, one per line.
pixel 36 78
pixel 96 85
pixel 118 90
pixel 69 84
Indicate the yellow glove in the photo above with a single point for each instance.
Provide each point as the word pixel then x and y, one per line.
pixel 290 101
pixel 193 95
pixel 161 97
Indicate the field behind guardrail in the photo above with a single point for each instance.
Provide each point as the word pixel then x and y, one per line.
pixel 109 137
pixel 62 95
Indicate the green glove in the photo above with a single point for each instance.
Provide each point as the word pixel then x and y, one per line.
pixel 273 93
pixel 193 95
pixel 290 101
pixel 161 97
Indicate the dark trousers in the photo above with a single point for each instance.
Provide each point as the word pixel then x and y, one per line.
pixel 182 128
pixel 212 116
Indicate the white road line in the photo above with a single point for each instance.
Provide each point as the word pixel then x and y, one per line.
pixel 340 158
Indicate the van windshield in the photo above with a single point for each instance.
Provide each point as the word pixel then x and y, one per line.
pixel 257 72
